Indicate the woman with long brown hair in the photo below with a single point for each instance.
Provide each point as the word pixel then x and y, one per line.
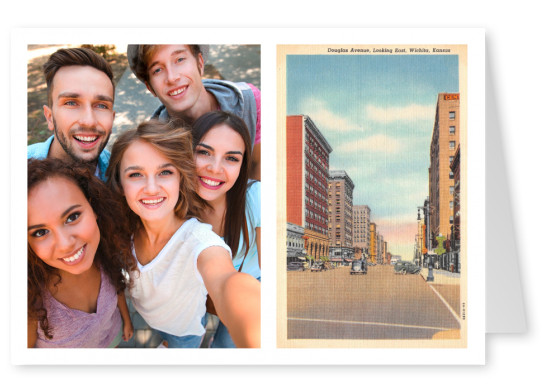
pixel 179 258
pixel 222 148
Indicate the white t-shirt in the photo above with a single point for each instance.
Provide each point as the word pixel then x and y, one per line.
pixel 169 293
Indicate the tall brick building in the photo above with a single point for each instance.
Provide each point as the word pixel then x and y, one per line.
pixel 373 242
pixel 360 232
pixel 341 221
pixel 307 181
pixel 444 144
pixel 456 169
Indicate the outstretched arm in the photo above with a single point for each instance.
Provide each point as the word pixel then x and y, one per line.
pixel 236 296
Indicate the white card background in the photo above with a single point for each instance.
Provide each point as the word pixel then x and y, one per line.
pixel 516 39
pixel 269 353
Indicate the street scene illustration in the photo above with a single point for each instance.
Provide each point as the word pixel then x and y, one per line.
pixel 372 172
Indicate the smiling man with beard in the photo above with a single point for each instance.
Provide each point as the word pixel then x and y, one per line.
pixel 80 109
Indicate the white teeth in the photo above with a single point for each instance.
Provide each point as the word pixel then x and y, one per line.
pixel 86 139
pixel 74 257
pixel 210 183
pixel 153 202
pixel 178 91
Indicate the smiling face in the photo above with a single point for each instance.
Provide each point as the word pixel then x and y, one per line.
pixel 175 77
pixel 81 114
pixel 150 182
pixel 218 158
pixel 63 233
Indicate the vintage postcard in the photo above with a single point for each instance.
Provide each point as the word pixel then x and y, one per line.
pixel 372 234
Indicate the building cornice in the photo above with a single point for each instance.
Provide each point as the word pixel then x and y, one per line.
pixel 309 123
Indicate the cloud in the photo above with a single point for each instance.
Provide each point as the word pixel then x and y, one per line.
pixel 411 112
pixel 375 143
pixel 324 118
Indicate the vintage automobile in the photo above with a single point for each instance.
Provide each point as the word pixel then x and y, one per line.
pixel 402 267
pixel 295 265
pixel 358 267
pixel 318 267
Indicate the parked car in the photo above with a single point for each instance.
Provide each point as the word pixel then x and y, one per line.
pixel 295 265
pixel 318 267
pixel 358 267
pixel 402 267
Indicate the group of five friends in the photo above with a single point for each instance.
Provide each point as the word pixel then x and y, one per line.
pixel 170 217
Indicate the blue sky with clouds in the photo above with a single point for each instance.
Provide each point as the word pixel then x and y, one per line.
pixel 377 113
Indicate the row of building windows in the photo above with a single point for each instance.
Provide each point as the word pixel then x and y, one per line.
pixel 317 217
pixel 317 228
pixel 312 141
pixel 314 156
pixel 295 243
pixel 322 172
pixel 314 203
pixel 314 191
pixel 315 179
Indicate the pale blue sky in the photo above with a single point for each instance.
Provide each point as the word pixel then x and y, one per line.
pixel 377 113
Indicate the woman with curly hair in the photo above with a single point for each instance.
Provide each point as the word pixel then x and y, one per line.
pixel 78 257
pixel 180 259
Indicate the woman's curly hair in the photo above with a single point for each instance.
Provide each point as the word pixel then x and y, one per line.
pixel 114 253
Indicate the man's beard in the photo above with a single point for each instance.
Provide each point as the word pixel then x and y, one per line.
pixel 67 146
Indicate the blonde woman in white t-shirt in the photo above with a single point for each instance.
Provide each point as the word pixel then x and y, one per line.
pixel 180 259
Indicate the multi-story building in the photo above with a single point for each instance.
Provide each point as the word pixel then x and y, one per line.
pixel 360 231
pixel 444 144
pixel 307 180
pixel 455 166
pixel 379 248
pixel 373 243
pixel 340 202
pixel 295 243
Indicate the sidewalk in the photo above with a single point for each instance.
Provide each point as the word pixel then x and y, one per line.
pixel 442 277
pixel 447 285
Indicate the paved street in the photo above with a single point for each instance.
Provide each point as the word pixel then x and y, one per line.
pixel 379 305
